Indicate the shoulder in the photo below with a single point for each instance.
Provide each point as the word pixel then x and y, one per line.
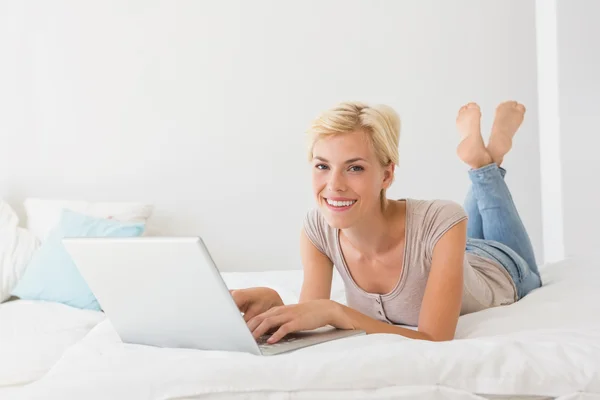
pixel 437 210
pixel 431 219
pixel 315 220
pixel 318 230
pixel 424 207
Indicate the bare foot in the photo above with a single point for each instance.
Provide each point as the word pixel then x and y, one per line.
pixel 471 148
pixel 509 116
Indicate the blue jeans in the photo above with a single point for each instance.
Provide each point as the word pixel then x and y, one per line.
pixel 495 230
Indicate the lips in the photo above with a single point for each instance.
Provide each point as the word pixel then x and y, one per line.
pixel 339 204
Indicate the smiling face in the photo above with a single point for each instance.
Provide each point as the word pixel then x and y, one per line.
pixel 348 178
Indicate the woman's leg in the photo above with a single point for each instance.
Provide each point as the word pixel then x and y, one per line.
pixel 474 223
pixel 499 216
pixel 469 150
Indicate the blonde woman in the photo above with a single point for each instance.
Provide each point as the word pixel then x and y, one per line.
pixel 409 262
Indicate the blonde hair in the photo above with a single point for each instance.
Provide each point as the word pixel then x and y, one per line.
pixel 380 122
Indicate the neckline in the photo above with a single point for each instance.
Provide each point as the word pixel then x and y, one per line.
pixel 403 274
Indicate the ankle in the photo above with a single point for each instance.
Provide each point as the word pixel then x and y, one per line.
pixel 481 160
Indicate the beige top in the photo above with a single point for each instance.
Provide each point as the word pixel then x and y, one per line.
pixel 486 283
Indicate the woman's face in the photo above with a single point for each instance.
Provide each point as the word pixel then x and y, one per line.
pixel 347 178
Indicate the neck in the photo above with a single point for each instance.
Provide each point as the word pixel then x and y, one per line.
pixel 379 232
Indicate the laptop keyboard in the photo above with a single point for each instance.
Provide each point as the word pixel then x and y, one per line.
pixel 262 341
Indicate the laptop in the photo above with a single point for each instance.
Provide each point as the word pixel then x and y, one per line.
pixel 168 292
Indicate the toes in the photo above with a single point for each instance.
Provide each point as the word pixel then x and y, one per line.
pixel 509 103
pixel 469 106
pixel 468 109
pixel 512 104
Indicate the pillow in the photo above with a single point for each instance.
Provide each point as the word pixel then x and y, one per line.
pixel 44 214
pixel 17 245
pixel 53 276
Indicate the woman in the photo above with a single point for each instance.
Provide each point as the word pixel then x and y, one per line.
pixel 403 262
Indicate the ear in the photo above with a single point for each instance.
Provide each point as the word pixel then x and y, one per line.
pixel 388 175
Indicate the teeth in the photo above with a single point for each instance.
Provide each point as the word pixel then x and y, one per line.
pixel 340 203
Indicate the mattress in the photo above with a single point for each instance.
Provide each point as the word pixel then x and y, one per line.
pixel 545 346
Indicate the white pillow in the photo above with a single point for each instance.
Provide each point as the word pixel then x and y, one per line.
pixel 17 245
pixel 44 214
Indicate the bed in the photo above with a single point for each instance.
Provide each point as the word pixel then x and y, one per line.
pixel 545 346
pixel 33 337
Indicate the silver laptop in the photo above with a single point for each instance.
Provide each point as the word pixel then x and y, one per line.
pixel 167 292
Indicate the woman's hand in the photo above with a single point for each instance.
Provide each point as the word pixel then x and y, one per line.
pixel 297 317
pixel 254 301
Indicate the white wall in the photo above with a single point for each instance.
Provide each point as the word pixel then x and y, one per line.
pixel 549 131
pixel 200 107
pixel 579 99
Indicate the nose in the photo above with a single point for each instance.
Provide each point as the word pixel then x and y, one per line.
pixel 337 182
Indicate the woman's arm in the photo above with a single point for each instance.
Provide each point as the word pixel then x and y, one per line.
pixel 318 272
pixel 442 300
pixel 440 308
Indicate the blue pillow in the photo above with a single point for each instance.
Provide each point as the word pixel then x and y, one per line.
pixel 53 276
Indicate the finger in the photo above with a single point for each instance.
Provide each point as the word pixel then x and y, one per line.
pixel 257 309
pixel 248 316
pixel 252 312
pixel 256 320
pixel 258 316
pixel 269 323
pixel 283 330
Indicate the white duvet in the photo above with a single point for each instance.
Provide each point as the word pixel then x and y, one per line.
pixel 34 335
pixel 546 344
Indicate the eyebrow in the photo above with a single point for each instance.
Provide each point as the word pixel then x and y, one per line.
pixel 350 161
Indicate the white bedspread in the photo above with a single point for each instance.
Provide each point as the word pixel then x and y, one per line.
pixel 546 344
pixel 35 334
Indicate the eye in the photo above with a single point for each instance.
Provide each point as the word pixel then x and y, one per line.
pixel 356 168
pixel 321 166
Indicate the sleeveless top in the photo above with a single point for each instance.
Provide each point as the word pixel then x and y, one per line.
pixel 486 282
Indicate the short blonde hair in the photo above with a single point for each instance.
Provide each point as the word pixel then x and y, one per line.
pixel 380 122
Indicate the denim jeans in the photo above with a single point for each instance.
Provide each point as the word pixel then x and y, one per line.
pixel 495 230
